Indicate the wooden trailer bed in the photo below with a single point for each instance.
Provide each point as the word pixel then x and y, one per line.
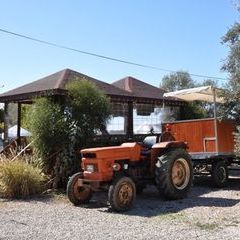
pixel 210 144
pixel 201 137
pixel 210 141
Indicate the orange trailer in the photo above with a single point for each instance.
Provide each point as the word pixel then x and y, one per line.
pixel 210 141
pixel 200 136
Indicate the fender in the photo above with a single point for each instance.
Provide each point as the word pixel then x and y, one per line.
pixel 171 144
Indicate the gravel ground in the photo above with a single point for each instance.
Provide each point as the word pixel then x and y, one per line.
pixel 207 213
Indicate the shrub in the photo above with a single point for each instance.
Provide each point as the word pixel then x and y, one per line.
pixel 19 179
pixel 62 126
pixel 237 141
pixel 89 110
pixel 49 127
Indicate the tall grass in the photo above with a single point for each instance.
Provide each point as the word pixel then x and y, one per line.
pixel 19 179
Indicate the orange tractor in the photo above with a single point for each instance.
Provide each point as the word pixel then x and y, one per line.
pixel 161 160
pixel 126 170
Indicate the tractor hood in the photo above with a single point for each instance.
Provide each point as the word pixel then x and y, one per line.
pixel 129 151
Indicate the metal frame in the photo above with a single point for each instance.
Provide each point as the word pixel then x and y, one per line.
pixel 208 139
pixel 215 119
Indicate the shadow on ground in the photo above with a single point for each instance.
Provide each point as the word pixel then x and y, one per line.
pixel 150 203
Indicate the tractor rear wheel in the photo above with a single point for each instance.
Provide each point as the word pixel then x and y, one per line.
pixel 122 194
pixel 78 194
pixel 219 174
pixel 174 174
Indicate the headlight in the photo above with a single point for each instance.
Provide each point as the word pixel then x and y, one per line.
pixel 90 168
pixel 116 167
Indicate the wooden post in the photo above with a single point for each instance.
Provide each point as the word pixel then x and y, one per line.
pixel 6 123
pixel 130 120
pixel 215 120
pixel 19 120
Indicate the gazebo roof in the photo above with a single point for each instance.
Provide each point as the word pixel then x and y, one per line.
pixel 54 84
pixel 126 89
pixel 140 89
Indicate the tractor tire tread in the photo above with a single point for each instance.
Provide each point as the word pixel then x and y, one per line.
pixel 70 192
pixel 163 174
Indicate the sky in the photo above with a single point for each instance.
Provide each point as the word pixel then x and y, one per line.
pixel 170 34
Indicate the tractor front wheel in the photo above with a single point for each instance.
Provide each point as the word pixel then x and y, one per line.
pixel 174 174
pixel 78 194
pixel 122 194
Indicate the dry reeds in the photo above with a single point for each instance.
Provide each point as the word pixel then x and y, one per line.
pixel 19 178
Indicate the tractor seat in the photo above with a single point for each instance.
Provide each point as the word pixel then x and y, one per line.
pixel 149 141
pixel 147 144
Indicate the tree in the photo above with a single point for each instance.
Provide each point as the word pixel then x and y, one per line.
pixel 210 82
pixel 25 111
pixel 89 110
pixel 177 81
pixel 232 65
pixel 181 80
pixel 237 142
pixel 61 128
pixel 207 106
pixel 231 109
pixel 49 128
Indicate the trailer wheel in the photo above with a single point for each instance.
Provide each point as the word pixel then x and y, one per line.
pixel 78 194
pixel 219 174
pixel 122 194
pixel 174 174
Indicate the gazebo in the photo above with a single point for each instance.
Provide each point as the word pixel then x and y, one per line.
pixel 125 95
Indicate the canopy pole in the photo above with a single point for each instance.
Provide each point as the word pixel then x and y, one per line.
pixel 163 107
pixel 215 119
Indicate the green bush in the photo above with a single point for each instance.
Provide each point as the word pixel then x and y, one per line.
pixel 62 126
pixel 19 179
pixel 49 127
pixel 237 141
pixel 89 110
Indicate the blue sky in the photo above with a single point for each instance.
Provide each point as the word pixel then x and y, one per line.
pixel 171 34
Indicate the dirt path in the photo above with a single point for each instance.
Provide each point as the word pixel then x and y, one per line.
pixel 208 213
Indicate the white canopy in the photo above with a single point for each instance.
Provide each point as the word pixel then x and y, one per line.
pixel 205 93
pixel 12 132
